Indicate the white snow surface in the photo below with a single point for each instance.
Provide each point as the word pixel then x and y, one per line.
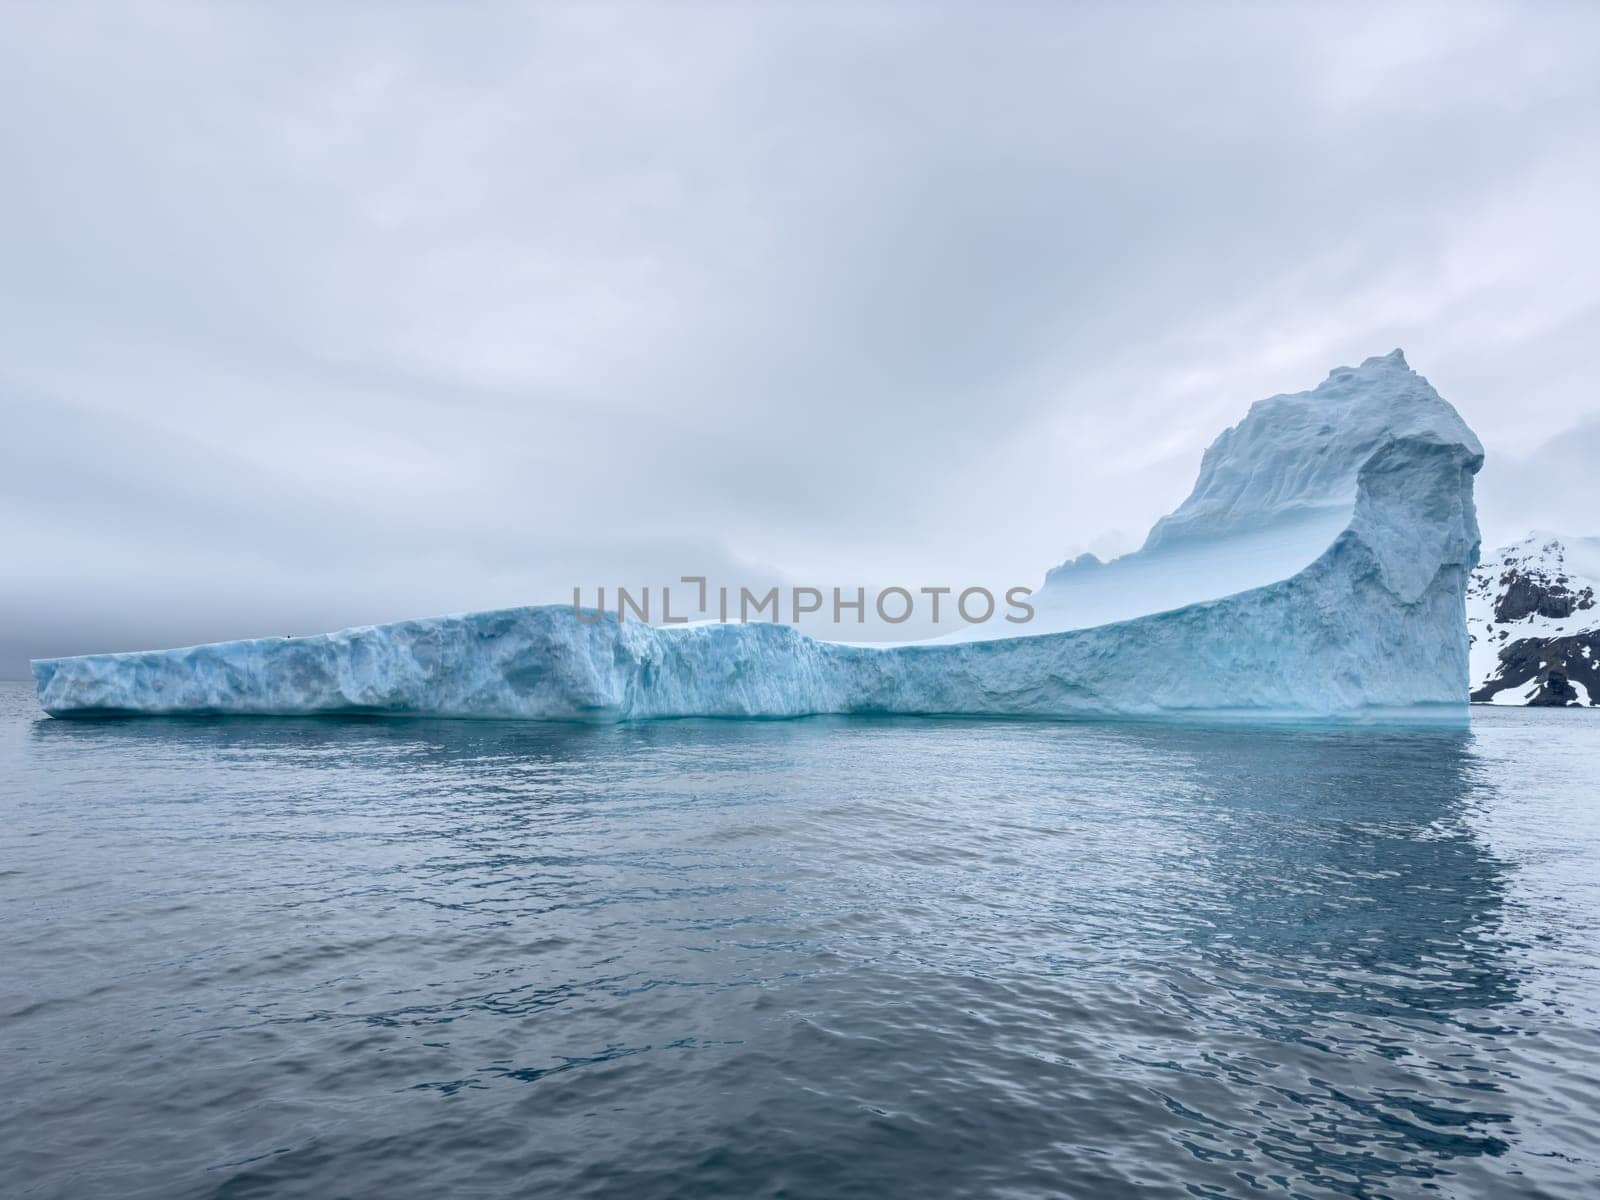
pixel 1316 572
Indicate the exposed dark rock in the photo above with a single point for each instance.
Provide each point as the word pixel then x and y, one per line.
pixel 1554 692
pixel 1554 664
pixel 1535 593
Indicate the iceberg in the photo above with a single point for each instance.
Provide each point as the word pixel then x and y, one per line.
pixel 1318 571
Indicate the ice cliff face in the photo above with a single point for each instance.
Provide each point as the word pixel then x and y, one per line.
pixel 1357 497
pixel 1533 617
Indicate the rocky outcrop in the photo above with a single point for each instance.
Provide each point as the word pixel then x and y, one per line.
pixel 1534 623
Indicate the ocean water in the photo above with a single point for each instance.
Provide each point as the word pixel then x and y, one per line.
pixel 323 958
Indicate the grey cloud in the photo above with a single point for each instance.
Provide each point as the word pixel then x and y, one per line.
pixel 318 317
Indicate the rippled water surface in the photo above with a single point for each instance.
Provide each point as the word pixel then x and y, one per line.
pixel 806 958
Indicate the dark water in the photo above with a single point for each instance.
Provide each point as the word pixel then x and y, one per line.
pixel 811 958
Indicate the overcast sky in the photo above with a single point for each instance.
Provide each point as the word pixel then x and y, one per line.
pixel 320 316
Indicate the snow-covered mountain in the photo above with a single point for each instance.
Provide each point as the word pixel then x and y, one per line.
pixel 1533 615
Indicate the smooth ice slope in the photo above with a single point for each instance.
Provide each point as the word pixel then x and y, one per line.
pixel 1364 488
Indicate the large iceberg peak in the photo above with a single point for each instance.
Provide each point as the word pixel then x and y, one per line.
pixel 1298 454
pixel 1277 489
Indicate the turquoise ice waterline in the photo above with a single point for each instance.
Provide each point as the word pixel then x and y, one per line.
pixel 1372 627
pixel 887 958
